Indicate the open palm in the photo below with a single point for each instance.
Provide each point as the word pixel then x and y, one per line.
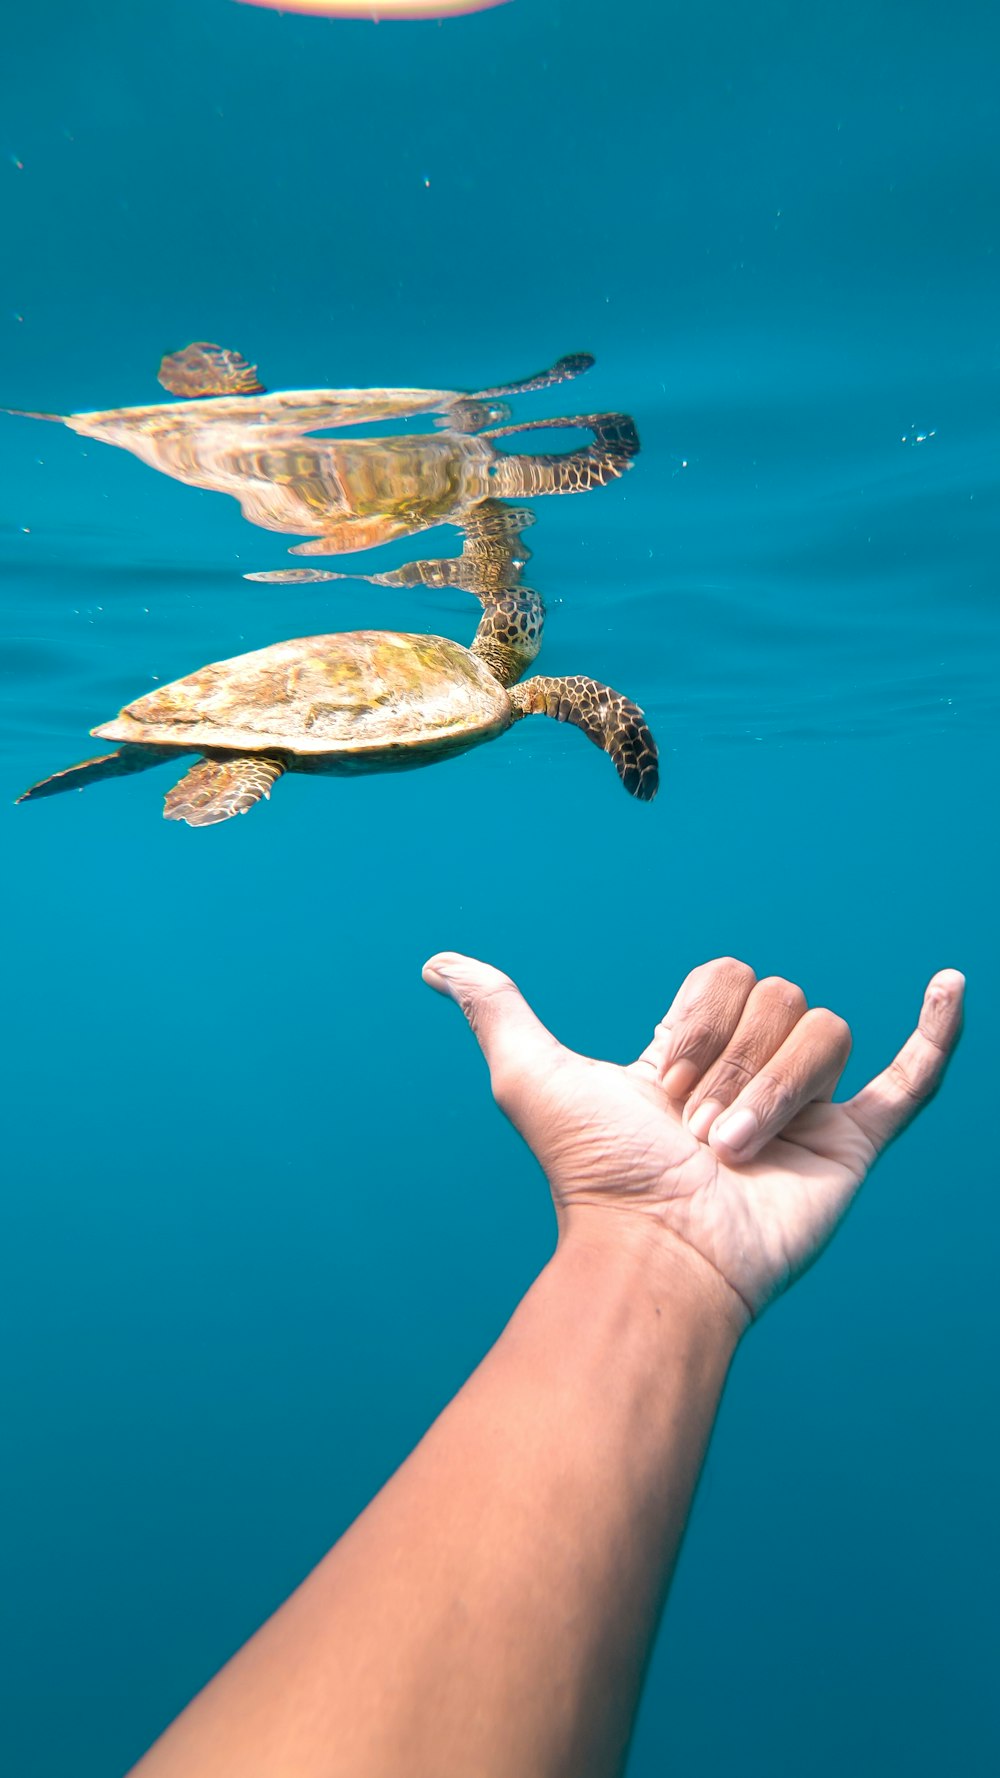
pixel 723 1132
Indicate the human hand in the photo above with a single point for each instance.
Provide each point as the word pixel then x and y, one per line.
pixel 722 1135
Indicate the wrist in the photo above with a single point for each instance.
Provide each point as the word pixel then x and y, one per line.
pixel 623 1247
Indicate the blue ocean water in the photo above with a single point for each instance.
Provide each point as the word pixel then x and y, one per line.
pixel 261 1216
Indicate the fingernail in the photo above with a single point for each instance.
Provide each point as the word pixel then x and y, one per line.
pixel 701 1120
pixel 948 979
pixel 738 1130
pixel 679 1079
pixel 441 966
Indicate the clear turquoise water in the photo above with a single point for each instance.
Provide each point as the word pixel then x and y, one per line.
pixel 261 1218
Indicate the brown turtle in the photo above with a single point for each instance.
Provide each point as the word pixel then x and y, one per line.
pixel 366 701
pixel 351 492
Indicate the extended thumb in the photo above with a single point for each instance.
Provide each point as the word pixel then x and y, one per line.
pixel 508 1032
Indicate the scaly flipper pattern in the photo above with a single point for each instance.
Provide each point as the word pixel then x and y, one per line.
pixel 205 369
pixel 573 364
pixel 607 718
pixel 215 789
pixel 615 444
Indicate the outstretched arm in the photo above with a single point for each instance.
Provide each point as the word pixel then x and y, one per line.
pixel 491 1612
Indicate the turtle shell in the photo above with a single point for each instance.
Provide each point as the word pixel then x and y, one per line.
pixel 351 693
pixel 357 492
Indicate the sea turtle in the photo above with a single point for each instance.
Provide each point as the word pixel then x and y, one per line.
pixel 365 701
pixel 355 492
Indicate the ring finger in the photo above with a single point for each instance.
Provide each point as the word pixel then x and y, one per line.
pixel 769 1017
pixel 807 1067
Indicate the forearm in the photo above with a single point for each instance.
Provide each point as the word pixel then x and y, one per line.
pixel 492 1610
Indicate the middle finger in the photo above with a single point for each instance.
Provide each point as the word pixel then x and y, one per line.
pixel 704 1014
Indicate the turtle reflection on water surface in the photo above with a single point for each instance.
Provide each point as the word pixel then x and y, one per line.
pixel 353 492
pixel 366 700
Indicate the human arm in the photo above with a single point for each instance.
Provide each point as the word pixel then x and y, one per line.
pixel 492 1610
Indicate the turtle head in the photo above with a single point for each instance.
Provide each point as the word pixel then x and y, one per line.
pixel 469 415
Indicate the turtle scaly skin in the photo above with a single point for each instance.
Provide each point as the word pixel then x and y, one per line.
pixel 203 369
pixel 218 788
pixel 615 443
pixel 607 718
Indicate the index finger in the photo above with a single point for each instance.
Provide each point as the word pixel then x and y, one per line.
pixel 890 1101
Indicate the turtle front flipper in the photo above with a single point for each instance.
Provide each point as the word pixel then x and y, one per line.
pixel 615 443
pixel 607 718
pixel 109 765
pixel 214 789
pixel 470 412
pixel 205 369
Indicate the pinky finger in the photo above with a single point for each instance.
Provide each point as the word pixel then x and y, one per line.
pixel 889 1102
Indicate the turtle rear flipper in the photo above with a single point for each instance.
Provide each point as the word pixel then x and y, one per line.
pixel 108 765
pixel 214 789
pixel 205 369
pixel 607 718
pixel 302 576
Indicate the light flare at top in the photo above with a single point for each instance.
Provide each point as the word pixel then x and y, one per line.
pixel 378 10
